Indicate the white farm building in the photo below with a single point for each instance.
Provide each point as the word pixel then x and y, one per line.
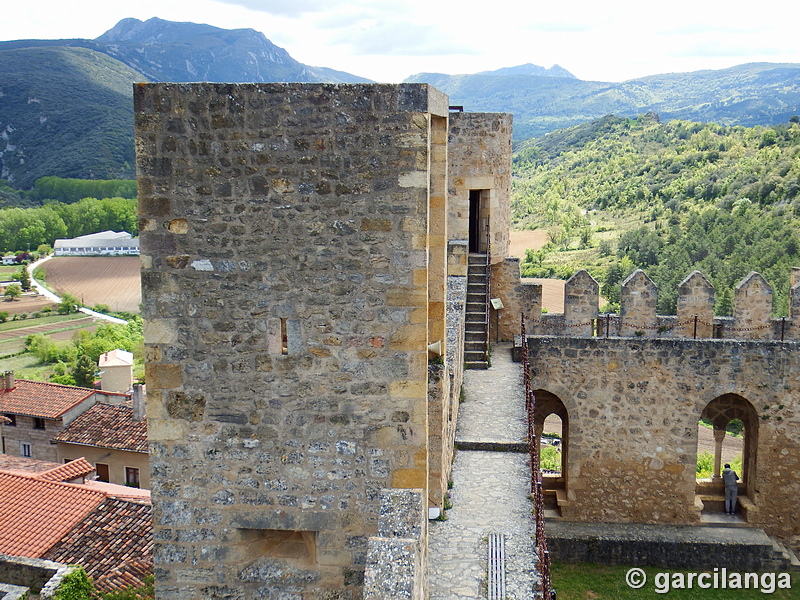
pixel 110 243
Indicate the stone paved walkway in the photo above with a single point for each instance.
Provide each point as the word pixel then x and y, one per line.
pixel 490 491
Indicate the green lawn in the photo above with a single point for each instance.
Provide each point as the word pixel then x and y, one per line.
pixel 604 582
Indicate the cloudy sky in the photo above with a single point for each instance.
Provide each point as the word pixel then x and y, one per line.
pixel 388 40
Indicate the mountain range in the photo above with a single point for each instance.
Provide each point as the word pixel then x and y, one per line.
pixel 749 94
pixel 66 109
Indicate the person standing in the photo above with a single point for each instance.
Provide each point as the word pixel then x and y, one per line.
pixel 729 477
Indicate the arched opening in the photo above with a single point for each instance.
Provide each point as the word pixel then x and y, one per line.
pixel 551 425
pixel 728 432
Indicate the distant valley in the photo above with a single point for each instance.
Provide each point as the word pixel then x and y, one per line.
pixel 66 109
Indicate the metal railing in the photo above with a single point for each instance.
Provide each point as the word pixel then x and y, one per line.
pixel 488 291
pixel 537 492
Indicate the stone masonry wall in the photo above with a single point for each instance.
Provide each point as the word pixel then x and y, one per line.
pixel 284 251
pixel 633 407
pixel 518 297
pixel 480 159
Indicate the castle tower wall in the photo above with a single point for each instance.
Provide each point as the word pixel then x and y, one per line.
pixel 289 299
pixel 480 160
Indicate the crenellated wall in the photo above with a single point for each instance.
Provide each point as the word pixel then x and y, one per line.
pixel 633 387
pixel 751 320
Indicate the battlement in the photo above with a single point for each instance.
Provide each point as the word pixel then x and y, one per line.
pixel 751 320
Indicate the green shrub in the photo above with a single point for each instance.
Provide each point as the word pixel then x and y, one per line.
pixel 550 458
pixel 75 586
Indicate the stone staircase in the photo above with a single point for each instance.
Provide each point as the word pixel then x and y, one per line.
pixel 476 334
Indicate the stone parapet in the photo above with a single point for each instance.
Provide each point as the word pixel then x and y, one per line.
pixel 396 557
pixel 751 320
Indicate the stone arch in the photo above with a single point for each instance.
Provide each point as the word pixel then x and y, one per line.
pixel 547 403
pixel 721 411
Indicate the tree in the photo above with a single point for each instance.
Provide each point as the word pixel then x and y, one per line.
pixel 84 372
pixel 24 279
pixel 13 291
pixel 69 303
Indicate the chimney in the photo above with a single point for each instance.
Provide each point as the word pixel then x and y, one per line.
pixel 138 402
pixel 7 383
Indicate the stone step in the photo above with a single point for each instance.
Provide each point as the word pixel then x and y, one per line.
pixel 475 258
pixel 476 364
pixel 475 336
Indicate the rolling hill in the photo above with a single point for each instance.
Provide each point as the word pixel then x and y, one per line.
pixel 750 94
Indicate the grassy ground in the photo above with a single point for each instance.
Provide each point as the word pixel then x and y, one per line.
pixel 26 323
pixel 604 582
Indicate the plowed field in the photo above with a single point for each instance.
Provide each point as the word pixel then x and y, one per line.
pixel 111 280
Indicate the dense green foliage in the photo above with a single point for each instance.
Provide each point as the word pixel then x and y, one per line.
pixel 75 586
pixel 76 360
pixel 72 190
pixel 66 112
pixel 22 228
pixel 723 200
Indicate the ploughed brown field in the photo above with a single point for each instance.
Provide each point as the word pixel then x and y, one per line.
pixel 111 280
pixel 28 303
pixel 552 289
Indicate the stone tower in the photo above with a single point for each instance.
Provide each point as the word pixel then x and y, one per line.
pixel 294 272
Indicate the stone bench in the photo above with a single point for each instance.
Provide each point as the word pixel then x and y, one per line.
pixel 716 503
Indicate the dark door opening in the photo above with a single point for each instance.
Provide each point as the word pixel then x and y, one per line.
pixel 474 221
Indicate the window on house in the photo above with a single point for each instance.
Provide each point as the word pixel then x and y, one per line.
pixel 13 419
pixel 132 477
pixel 38 423
pixel 25 449
pixel 102 471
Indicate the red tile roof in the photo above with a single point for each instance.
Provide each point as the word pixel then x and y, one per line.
pixel 74 469
pixel 35 514
pixel 114 543
pixel 25 465
pixel 40 399
pixel 107 426
pixel 130 574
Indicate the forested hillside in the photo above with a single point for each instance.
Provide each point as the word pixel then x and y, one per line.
pixel 617 194
pixel 65 112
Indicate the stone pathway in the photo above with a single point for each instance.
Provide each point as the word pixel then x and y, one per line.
pixel 490 491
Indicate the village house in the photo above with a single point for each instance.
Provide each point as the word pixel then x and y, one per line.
pixel 113 438
pixel 58 514
pixel 37 411
pixel 116 371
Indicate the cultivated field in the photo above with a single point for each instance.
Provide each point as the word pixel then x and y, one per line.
pixel 111 280
pixel 552 289
pixel 28 303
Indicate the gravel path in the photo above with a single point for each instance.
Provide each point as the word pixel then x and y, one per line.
pixel 490 492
